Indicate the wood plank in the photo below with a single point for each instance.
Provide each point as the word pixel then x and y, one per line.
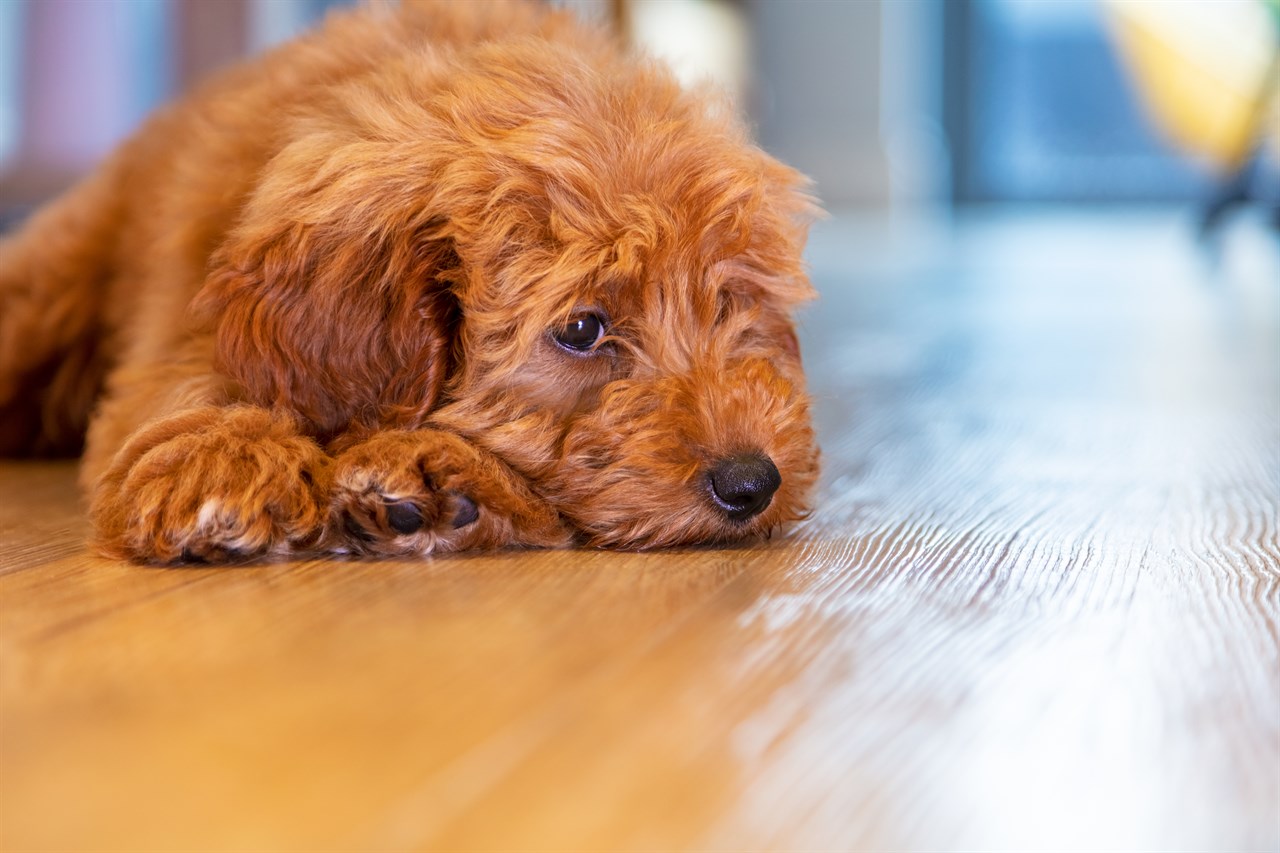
pixel 1037 608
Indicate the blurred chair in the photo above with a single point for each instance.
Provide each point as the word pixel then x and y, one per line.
pixel 1208 75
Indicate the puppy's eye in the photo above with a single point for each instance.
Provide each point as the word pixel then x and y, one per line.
pixel 581 333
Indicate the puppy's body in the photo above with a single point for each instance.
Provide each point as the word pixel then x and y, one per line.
pixel 321 304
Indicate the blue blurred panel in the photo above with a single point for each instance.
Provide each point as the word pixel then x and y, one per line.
pixel 144 32
pixel 1053 116
pixel 11 56
pixel 275 21
pixel 319 7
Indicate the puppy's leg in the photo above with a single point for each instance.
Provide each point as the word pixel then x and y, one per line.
pixel 55 344
pixel 212 483
pixel 427 491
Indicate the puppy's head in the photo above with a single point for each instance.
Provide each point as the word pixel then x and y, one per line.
pixel 569 261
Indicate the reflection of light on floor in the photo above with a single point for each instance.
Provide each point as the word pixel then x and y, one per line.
pixel 1055 748
pixel 1043 615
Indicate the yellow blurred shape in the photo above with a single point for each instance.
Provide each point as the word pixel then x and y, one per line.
pixel 1200 66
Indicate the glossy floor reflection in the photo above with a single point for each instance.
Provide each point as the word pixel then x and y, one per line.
pixel 1036 609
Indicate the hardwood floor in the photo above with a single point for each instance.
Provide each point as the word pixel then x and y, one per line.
pixel 1036 609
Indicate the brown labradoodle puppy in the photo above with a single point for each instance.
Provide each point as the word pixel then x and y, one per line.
pixel 459 275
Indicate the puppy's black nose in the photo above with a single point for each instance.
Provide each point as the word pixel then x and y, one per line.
pixel 743 485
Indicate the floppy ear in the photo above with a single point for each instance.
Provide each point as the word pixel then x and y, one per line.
pixel 331 298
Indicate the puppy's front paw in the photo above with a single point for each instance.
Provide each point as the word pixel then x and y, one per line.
pixel 426 492
pixel 211 485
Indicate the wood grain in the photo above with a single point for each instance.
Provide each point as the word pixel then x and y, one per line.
pixel 1036 609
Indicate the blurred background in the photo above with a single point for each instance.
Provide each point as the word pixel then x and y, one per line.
pixel 890 105
pixel 1035 610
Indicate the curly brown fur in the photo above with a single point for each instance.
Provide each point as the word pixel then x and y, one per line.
pixel 317 303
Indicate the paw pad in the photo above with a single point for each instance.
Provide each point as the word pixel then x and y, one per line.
pixel 404 517
pixel 466 511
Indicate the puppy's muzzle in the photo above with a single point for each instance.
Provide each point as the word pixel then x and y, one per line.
pixel 743 485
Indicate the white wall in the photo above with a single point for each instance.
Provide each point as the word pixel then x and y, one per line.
pixel 817 93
